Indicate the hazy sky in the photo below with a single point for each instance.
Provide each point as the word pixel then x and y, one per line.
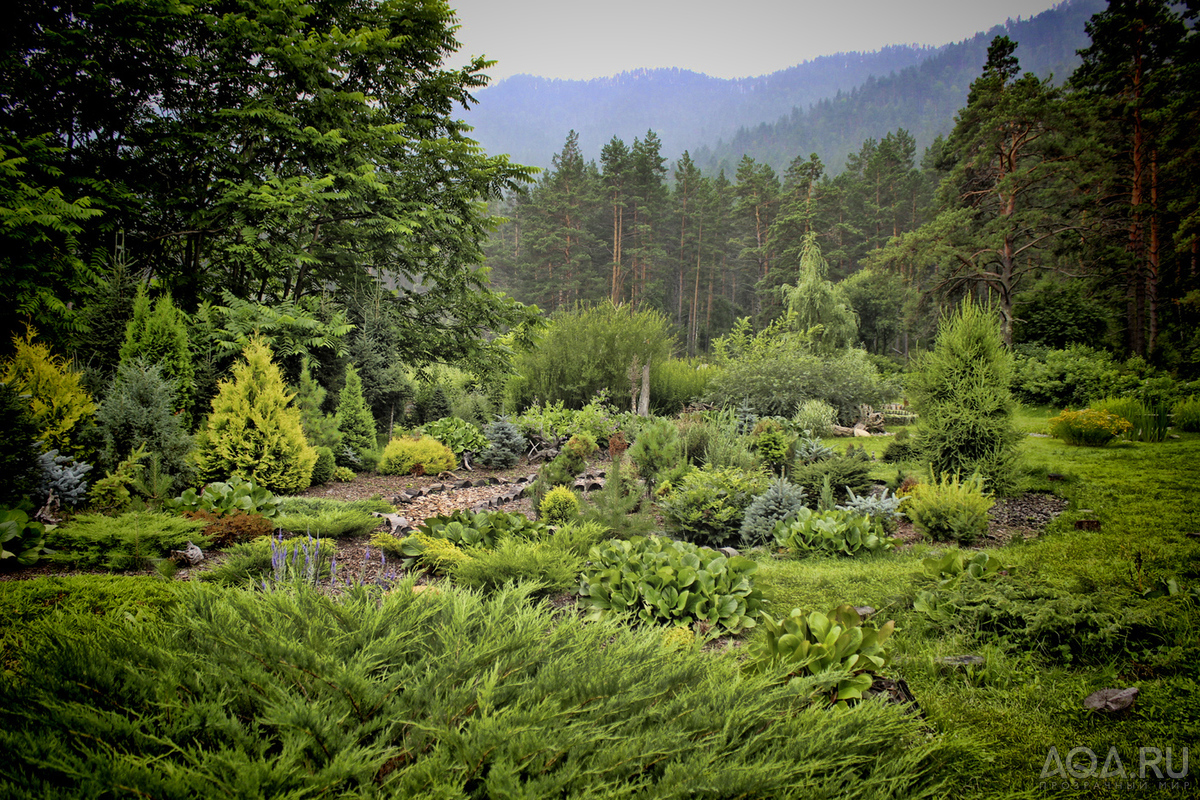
pixel 725 39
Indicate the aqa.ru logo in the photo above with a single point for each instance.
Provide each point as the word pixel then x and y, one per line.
pixel 1082 762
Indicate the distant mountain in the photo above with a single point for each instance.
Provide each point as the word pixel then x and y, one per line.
pixel 923 98
pixel 828 105
pixel 529 117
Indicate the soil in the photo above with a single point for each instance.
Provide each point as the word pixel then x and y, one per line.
pixel 1017 517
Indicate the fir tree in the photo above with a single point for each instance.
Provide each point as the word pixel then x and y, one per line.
pixel 961 390
pixel 320 429
pixel 138 411
pixel 254 431
pixel 354 419
pixel 160 335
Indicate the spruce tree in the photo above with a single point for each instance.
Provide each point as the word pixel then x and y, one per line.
pixel 961 390
pixel 138 411
pixel 160 335
pixel 354 419
pixel 254 431
pixel 320 428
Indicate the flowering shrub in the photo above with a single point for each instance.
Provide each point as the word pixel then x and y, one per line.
pixel 1089 427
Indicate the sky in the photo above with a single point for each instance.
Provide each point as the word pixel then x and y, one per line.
pixel 720 38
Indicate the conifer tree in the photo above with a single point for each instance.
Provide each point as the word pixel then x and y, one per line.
pixel 138 411
pixel 354 419
pixel 254 431
pixel 961 390
pixel 160 336
pixel 61 407
pixel 320 428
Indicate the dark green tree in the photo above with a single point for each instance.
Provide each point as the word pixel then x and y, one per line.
pixel 354 420
pixel 158 334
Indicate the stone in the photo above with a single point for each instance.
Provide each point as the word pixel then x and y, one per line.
pixel 728 552
pixel 864 611
pixel 1113 702
pixel 960 662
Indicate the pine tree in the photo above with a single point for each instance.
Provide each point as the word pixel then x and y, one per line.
pixel 254 431
pixel 160 336
pixel 354 419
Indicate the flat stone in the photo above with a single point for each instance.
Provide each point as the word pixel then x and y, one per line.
pixel 1111 701
pixel 956 662
pixel 864 611
pixel 728 552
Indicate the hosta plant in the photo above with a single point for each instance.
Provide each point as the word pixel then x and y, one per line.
pixel 21 539
pixel 225 497
pixel 834 532
pixel 835 652
pixel 458 435
pixel 661 580
pixel 953 566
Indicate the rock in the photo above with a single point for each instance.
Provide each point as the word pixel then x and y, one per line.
pixel 189 556
pixel 1087 524
pixel 950 663
pixel 395 522
pixel 1113 702
pixel 728 552
pixel 864 611
pixel 1055 476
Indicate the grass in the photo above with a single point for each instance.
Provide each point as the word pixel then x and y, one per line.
pixel 1003 718
pixel 1024 701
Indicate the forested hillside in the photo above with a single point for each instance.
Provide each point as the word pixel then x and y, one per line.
pixel 828 105
pixel 528 116
pixel 921 98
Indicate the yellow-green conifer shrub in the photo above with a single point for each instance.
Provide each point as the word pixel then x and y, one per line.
pixel 60 405
pixel 254 430
pixel 404 454
pixel 559 506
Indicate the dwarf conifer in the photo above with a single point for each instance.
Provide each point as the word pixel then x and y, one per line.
pixel 254 431
pixel 160 335
pixel 354 419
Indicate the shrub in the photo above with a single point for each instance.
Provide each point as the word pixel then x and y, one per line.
pixel 832 532
pixel 777 502
pixel 422 456
pixel 64 476
pixel 559 506
pixel 773 443
pixel 112 493
pixel 139 411
pixel 1063 378
pixel 617 507
pixel 343 474
pixel 323 467
pixel 160 337
pixel 664 581
pixel 224 497
pixel 482 529
pixel 297 662
pixel 1090 427
pixel 253 431
pixel 21 539
pixel 224 530
pixel 505 444
pixel 275 558
pixel 581 446
pixel 677 383
pixel 709 505
pixel 354 420
pixel 882 509
pixel 320 428
pixel 1147 423
pixel 19 468
pixel 832 655
pixel 432 403
pixel 598 420
pixel 458 435
pixel 60 407
pixel 560 471
pixel 815 416
pixel 961 390
pixel 900 448
pixel 322 505
pixel 657 452
pixel 809 449
pixel 550 569
pixel 575 537
pixel 1186 414
pixel 845 473
pixel 474 408
pixel 586 350
pixel 773 379
pixel 132 540
pixel 330 523
pixel 950 509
